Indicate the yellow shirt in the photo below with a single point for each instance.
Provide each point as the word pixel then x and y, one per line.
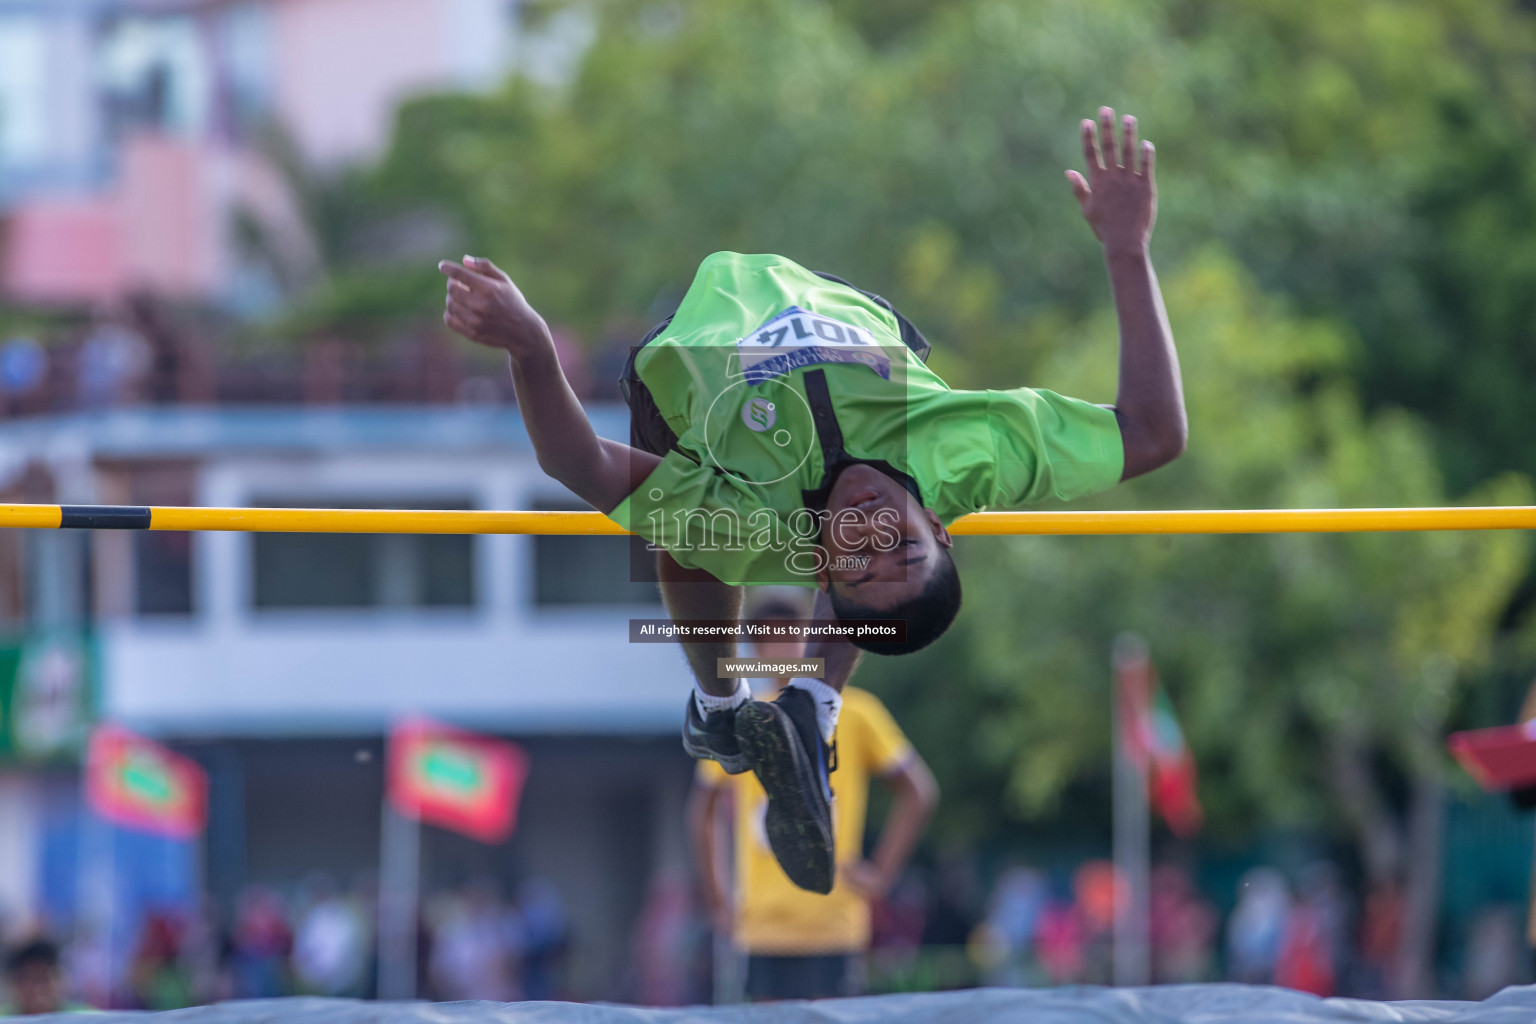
pixel 775 917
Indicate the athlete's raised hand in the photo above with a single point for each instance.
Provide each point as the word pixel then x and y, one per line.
pixel 1118 198
pixel 488 309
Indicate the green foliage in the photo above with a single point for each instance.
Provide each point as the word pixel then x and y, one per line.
pixel 930 170
pixel 1366 159
pixel 1273 647
pixel 1371 160
pixel 40 324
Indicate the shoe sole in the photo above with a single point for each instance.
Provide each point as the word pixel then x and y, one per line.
pixel 730 764
pixel 801 840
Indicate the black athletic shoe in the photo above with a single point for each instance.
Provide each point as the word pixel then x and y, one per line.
pixel 712 737
pixel 784 744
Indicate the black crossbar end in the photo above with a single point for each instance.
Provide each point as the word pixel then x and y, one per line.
pixel 104 517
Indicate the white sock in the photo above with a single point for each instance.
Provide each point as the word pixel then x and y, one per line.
pixel 707 702
pixel 829 703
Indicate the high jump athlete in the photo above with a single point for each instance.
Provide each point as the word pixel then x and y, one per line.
pixel 786 429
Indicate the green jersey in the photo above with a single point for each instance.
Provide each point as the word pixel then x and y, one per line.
pixel 770 376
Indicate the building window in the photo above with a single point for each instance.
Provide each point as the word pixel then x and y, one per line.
pixel 24 86
pixel 154 73
pixel 591 570
pixel 355 570
pixel 162 562
pixel 245 43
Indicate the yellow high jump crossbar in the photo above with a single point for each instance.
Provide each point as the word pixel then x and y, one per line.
pixel 349 520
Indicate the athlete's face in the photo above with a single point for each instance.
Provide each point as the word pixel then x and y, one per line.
pixel 881 544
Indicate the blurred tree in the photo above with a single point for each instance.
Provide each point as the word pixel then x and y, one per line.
pixel 1366 159
pixel 1315 673
pixel 932 172
pixel 1371 160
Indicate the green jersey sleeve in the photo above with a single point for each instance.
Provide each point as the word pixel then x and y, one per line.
pixel 708 519
pixel 1047 445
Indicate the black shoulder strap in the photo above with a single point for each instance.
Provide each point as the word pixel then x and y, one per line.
pixel 828 431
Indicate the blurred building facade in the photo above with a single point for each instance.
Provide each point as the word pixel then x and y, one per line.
pixel 279 660
pixel 137 137
pixel 151 156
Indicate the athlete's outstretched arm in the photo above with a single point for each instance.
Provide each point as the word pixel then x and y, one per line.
pixel 1119 201
pixel 487 308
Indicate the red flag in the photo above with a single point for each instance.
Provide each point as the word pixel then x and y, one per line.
pixel 455 779
pixel 137 783
pixel 1173 770
pixel 1500 758
pixel 1155 743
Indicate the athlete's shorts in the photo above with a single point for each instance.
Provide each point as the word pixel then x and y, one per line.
pixel 773 978
pixel 649 430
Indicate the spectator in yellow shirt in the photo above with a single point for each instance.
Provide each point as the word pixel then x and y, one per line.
pixel 801 944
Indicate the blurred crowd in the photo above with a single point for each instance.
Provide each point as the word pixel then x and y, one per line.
pixel 1306 932
pixel 937 929
pixel 473 942
pixel 143 355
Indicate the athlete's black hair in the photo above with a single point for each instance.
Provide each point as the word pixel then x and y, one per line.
pixel 39 951
pixel 928 615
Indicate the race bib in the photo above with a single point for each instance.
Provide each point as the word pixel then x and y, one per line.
pixel 796 338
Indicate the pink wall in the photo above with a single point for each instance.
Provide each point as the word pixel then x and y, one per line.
pixel 158 228
pixel 169 206
pixel 166 226
pixel 338 70
pixel 341 66
pixel 63 250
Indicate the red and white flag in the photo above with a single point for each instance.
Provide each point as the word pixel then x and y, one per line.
pixel 134 782
pixel 1155 744
pixel 455 779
